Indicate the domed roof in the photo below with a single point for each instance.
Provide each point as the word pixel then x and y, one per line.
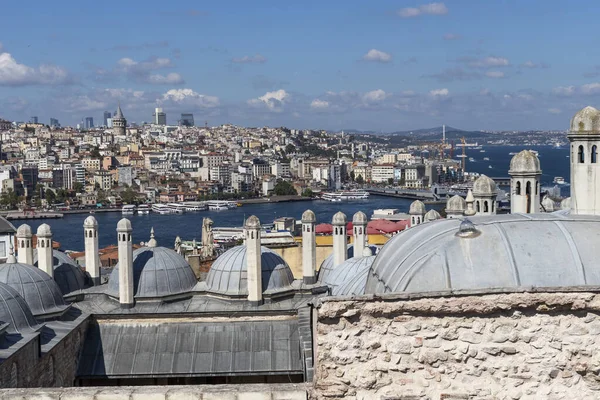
pixel 90 222
pixel 360 218
pixel 124 225
pixel 548 204
pixel 456 204
pixel 339 219
pixel 587 120
pixel 68 275
pixel 252 222
pixel 525 162
pixel 229 273
pixel 24 231
pixel 309 216
pixel 484 186
pixel 417 207
pixel 348 270
pixel 44 230
pixel 15 311
pixel 508 251
pixel 327 265
pixel 157 272
pixel 38 289
pixel 432 215
pixel 565 204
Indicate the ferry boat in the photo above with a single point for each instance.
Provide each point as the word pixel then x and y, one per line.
pixel 161 209
pixel 559 180
pixel 194 206
pixel 176 208
pixel 345 195
pixel 218 205
pixel 128 209
pixel 143 209
pixel 331 196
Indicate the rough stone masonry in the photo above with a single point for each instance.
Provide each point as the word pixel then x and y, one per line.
pixel 526 345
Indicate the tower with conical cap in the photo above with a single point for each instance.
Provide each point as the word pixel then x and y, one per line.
pixel 119 123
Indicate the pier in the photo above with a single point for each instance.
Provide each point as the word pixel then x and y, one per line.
pixel 403 193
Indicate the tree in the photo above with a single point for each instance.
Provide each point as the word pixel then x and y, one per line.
pixel 9 199
pixel 390 181
pixel 307 192
pixel 290 148
pixel 95 153
pixel 129 196
pixel 352 175
pixel 50 196
pixel 360 180
pixel 284 188
pixel 78 187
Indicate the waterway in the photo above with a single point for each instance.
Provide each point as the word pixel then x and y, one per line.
pixel 69 230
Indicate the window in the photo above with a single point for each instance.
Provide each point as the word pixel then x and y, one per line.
pixel 486 206
pixel 518 189
pixel 580 155
pixel 594 154
pixel 478 207
pixel 2 249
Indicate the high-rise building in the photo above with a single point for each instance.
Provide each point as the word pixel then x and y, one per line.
pixel 54 123
pixel 89 122
pixel 34 120
pixel 187 120
pixel 159 117
pixel 119 122
pixel 107 116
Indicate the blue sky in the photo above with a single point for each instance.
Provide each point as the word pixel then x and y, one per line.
pixel 383 66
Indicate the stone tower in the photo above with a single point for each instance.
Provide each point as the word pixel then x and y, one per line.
pixel 525 174
pixel 584 136
pixel 44 249
pixel 485 192
pixel 417 212
pixel 455 207
pixel 92 258
pixel 253 260
pixel 309 247
pixel 125 248
pixel 359 226
pixel 119 123
pixel 340 252
pixel 24 245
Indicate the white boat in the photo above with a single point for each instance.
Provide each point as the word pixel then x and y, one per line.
pixel 354 195
pixel 143 209
pixel 559 180
pixel 194 206
pixel 486 158
pixel 482 151
pixel 331 196
pixel 176 207
pixel 490 166
pixel 218 205
pixel 161 209
pixel 471 159
pixel 231 204
pixel 128 209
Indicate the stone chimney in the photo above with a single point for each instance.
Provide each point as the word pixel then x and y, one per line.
pixel 340 252
pixel 92 257
pixel 44 249
pixel 470 200
pixel 24 245
pixel 359 227
pixel 309 247
pixel 125 246
pixel 253 260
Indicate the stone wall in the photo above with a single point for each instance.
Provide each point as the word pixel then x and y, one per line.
pixel 57 367
pixel 293 256
pixel 495 346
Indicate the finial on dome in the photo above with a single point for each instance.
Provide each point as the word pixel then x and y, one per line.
pixel 11 259
pixel 367 252
pixel 467 229
pixel 152 242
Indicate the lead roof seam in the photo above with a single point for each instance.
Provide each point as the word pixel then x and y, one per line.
pixel 174 347
pixel 511 254
pixel 114 361
pixel 194 350
pixel 154 352
pixel 137 342
pixel 36 289
pixel 10 314
pixel 447 271
pixel 573 248
pixel 409 274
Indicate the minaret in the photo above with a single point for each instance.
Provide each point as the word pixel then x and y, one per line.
pixel 309 247
pixel 417 212
pixel 92 257
pixel 525 176
pixel 470 201
pixel 359 228
pixel 253 260
pixel 485 192
pixel 584 136
pixel 119 123
pixel 24 245
pixel 44 249
pixel 125 247
pixel 340 252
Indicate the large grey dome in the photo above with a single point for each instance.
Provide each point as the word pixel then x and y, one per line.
pixel 587 120
pixel 157 272
pixel 505 251
pixel 38 289
pixel 327 265
pixel 15 311
pixel 67 274
pixel 525 162
pixel 347 271
pixel 229 273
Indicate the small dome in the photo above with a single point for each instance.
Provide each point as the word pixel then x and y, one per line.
pixel 68 275
pixel 565 204
pixel 15 311
pixel 586 120
pixel 38 289
pixel 90 222
pixel 548 204
pixel 327 265
pixel 309 216
pixel 432 215
pixel 157 272
pixel 252 222
pixel 229 273
pixel 347 271
pixel 124 225
pixel 360 218
pixel 456 204
pixel 417 207
pixel 44 230
pixel 24 231
pixel 339 219
pixel 525 162
pixel 484 186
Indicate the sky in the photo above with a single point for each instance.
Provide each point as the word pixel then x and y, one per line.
pixel 381 65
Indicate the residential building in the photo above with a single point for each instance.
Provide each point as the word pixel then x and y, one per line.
pixel 103 179
pixel 159 117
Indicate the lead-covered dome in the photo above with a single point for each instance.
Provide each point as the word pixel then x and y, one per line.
pixel 417 207
pixel 484 186
pixel 90 222
pixel 37 288
pixel 15 311
pixel 504 251
pixel 339 219
pixel 68 275
pixel 360 218
pixel 432 215
pixel 327 265
pixel 587 120
pixel 157 272
pixel 229 273
pixel 309 216
pixel 354 269
pixel 525 162
pixel 456 204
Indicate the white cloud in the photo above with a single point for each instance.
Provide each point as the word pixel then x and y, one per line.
pixel 374 96
pixel 14 74
pixel 529 64
pixel 590 88
pixel 172 78
pixel 190 97
pixel 377 56
pixel 451 36
pixel 319 104
pixel 142 71
pixel 273 101
pixel 554 111
pixel 494 74
pixel 439 92
pixel 564 90
pixel 525 96
pixel 256 59
pixel 489 62
pixel 425 9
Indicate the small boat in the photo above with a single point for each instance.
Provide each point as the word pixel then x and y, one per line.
pixel 128 209
pixel 486 158
pixel 512 154
pixel 489 166
pixel 471 159
pixel 482 151
pixel 143 209
pixel 559 180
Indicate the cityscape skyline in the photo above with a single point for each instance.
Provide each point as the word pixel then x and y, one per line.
pixel 420 64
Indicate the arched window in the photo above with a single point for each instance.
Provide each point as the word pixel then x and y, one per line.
pixel 486 206
pixel 518 188
pixel 594 154
pixel 478 207
pixel 580 155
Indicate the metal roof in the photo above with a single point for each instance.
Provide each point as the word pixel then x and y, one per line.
pixel 6 227
pixel 350 277
pixel 168 348
pixel 67 274
pixel 15 311
pixel 508 251
pixel 327 265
